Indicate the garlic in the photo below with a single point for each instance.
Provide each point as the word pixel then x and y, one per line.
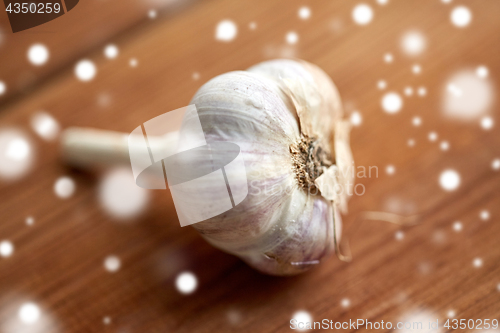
pixel 286 116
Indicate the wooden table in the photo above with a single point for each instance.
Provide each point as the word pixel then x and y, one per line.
pixel 427 272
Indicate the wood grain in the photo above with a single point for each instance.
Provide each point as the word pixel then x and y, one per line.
pixel 58 261
pixel 70 37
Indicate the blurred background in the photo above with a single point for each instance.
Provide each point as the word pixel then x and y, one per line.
pixel 88 251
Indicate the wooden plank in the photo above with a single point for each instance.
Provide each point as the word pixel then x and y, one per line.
pixel 58 262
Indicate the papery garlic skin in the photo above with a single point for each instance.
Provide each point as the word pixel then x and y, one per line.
pixel 280 228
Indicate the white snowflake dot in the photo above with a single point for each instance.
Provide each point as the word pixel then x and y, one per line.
pixel 112 263
pixel 17 150
pixel 487 123
pixel 152 14
pixel 457 226
pixel 432 136
pixel 477 262
pixel 30 220
pixel 416 121
pixel 111 51
pixel 422 91
pixel 106 320
pixel 461 16
pixel 304 13
pixel 416 69
pixel 399 235
pixel 356 118
pixel 234 317
pixel 392 102
pixel 85 70
pixel 120 196
pixel 133 62
pixel 495 165
pixel 444 145
pixel 451 314
pixel 439 237
pixel 226 31
pixel 449 180
pixel 390 169
pixel 484 215
pixel 252 25
pixel 64 187
pixel 3 88
pixel 382 84
pixel 482 72
pixel 29 313
pixel 16 155
pixel 45 125
pixel 413 43
pixel 408 91
pixel 38 54
pixel 6 248
pixel 302 319
pixel 467 96
pixel 411 142
pixel 388 58
pixel 345 302
pixel 186 283
pixel 292 37
pixel 362 14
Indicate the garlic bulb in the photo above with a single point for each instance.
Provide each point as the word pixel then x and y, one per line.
pixel 286 117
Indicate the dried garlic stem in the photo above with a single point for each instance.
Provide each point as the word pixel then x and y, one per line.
pixel 309 161
pixel 344 258
pixel 390 217
pixel 89 147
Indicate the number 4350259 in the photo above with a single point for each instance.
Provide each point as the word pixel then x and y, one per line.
pixel 39 8
pixel 471 324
